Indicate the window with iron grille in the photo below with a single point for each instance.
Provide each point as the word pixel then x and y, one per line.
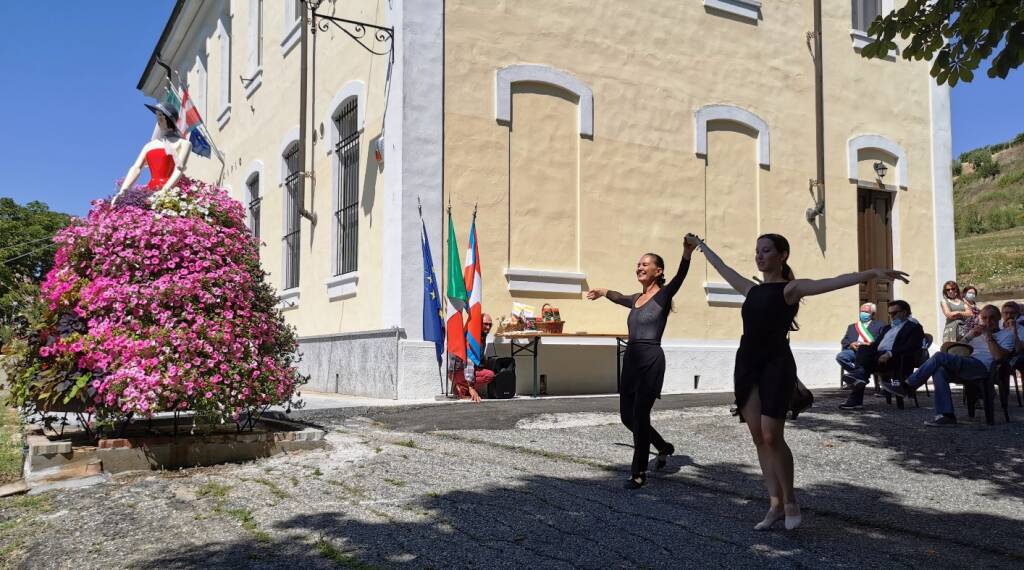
pixel 346 216
pixel 253 184
pixel 865 12
pixel 293 217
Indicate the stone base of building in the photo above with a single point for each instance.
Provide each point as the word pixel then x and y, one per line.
pixel 382 364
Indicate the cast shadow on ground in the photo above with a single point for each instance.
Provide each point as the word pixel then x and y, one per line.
pixel 972 450
pixel 699 516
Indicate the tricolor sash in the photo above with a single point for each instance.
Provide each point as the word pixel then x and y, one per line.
pixel 864 333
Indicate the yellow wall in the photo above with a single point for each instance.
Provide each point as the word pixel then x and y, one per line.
pixel 639 183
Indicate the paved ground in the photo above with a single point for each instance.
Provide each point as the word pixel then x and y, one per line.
pixel 536 484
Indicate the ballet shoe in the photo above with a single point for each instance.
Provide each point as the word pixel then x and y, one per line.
pixel 662 459
pixel 794 520
pixel 769 519
pixel 636 481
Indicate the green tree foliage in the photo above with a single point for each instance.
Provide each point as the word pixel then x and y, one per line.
pixel 959 34
pixel 26 250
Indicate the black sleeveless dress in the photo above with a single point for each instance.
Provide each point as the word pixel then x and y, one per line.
pixel 764 360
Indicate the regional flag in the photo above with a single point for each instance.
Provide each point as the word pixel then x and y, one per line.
pixel 433 326
pixel 456 297
pixel 474 284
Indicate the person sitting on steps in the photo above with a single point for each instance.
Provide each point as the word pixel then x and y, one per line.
pixel 904 337
pixel 989 344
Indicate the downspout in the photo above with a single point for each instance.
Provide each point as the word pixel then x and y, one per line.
pixel 818 184
pixel 304 173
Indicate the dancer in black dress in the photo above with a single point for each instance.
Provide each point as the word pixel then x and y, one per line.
pixel 765 373
pixel 643 366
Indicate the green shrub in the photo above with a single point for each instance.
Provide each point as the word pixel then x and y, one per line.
pixel 988 170
pixel 998 147
pixel 1002 218
pixel 968 221
pixel 958 168
pixel 1008 180
pixel 977 157
pixel 1019 139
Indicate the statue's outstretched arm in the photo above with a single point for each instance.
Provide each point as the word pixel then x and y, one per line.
pixel 132 176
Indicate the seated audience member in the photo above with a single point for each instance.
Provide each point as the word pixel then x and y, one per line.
pixel 476 378
pixel 988 343
pixel 858 334
pixel 1011 313
pixel 904 337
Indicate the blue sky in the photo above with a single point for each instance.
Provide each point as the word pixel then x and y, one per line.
pixel 75 121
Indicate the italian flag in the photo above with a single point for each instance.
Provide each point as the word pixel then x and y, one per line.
pixel 188 116
pixel 474 284
pixel 455 300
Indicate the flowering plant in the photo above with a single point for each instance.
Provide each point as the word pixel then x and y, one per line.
pixel 150 311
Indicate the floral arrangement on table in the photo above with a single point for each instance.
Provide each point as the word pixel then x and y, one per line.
pixel 156 304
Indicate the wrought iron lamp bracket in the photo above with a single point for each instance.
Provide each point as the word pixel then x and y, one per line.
pixel 378 40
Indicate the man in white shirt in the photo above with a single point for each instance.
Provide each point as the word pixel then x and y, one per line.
pixel 989 344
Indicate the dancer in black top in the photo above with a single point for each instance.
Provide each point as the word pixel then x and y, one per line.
pixel 765 373
pixel 643 366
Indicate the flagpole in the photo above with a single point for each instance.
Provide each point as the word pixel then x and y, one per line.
pixel 220 156
pixel 444 295
pixel 419 208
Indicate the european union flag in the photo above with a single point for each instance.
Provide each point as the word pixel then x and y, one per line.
pixel 200 145
pixel 433 320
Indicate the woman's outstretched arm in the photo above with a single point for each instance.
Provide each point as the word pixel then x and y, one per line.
pixel 738 282
pixel 799 288
pixel 672 287
pixel 613 296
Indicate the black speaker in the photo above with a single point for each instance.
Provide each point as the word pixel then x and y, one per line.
pixel 503 386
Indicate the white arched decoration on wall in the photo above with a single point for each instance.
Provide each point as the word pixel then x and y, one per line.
pixel 506 76
pixel 709 113
pixel 878 142
pixel 354 88
pixel 863 142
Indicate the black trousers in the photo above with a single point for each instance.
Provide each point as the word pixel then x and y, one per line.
pixel 867 360
pixel 635 411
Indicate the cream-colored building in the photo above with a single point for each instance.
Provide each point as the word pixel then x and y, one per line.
pixel 587 132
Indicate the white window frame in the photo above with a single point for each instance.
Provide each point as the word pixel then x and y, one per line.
pixel 224 41
pixel 342 285
pixel 746 9
pixel 289 298
pixel 255 169
pixel 861 39
pixel 734 114
pixel 255 54
pixel 292 27
pixel 200 94
pixel 878 142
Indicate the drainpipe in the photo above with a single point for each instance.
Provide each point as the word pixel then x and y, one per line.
pixel 818 184
pixel 303 131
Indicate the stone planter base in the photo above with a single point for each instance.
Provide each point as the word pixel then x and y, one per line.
pixel 146 447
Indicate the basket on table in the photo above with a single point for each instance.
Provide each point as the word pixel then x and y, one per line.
pixel 550 320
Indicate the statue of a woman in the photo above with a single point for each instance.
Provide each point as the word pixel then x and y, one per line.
pixel 165 155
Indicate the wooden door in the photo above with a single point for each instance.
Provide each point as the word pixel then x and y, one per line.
pixel 874 245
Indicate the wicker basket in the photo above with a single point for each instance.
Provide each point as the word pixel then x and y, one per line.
pixel 554 327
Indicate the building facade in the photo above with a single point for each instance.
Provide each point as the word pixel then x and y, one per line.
pixel 585 134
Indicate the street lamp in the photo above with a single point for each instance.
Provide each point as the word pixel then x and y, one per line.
pixel 881 169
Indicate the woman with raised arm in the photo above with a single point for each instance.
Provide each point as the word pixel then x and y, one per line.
pixel 643 366
pixel 765 373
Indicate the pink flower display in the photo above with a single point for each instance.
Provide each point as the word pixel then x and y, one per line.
pixel 174 310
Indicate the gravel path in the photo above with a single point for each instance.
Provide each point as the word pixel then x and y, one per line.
pixel 429 488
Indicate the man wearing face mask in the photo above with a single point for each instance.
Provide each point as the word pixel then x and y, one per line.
pixel 988 345
pixel 859 334
pixel 904 337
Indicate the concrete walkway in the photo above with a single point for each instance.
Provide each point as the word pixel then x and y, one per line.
pixel 537 484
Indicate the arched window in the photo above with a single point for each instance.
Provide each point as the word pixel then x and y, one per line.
pixel 291 180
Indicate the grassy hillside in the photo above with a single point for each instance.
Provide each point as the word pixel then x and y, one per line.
pixel 988 200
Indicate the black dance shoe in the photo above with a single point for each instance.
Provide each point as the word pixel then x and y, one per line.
pixel 636 481
pixel 662 459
